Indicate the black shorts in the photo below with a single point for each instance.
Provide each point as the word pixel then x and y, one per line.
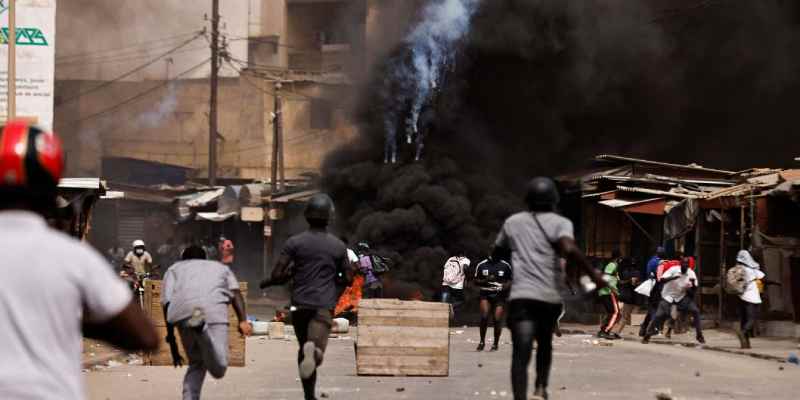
pixel 497 298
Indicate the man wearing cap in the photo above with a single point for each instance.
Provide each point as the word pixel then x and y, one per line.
pixel 312 260
pixel 55 289
pixel 536 238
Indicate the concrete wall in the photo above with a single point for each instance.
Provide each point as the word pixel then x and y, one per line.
pixel 168 125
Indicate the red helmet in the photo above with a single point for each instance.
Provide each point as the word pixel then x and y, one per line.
pixel 30 158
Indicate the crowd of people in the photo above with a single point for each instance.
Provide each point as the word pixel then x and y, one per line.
pixel 78 295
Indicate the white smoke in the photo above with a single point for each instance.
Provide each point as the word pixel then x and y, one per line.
pixel 165 107
pixel 432 44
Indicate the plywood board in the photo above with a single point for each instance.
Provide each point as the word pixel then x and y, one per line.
pixel 162 356
pixel 403 338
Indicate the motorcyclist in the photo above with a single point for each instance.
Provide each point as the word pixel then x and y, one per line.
pixel 139 259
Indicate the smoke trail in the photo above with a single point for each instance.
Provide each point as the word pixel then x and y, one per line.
pixel 167 105
pixel 432 47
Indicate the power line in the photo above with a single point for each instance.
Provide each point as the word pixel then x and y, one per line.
pixel 125 48
pixel 138 96
pixel 129 73
pixel 112 60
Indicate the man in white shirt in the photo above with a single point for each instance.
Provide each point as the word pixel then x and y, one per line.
pixel 750 299
pixel 55 290
pixel 453 279
pixel 678 290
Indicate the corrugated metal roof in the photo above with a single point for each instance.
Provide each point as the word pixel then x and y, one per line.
pixel 81 183
pixel 611 157
pixel 619 203
pixel 694 195
pixel 202 199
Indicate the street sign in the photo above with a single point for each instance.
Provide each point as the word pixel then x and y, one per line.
pixel 35 56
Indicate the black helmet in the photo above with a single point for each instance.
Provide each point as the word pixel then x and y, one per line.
pixel 319 208
pixel 541 192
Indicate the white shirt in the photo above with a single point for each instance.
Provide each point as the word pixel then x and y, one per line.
pixel 751 294
pixel 352 257
pixel 454 272
pixel 49 280
pixel 675 291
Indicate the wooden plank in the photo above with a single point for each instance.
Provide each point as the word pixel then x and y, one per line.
pixel 404 322
pixel 403 366
pixel 381 312
pixel 402 305
pixel 402 351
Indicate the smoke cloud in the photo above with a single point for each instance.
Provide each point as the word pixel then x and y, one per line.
pixel 539 86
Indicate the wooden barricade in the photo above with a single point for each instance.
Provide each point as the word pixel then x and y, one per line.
pixel 403 338
pixel 162 356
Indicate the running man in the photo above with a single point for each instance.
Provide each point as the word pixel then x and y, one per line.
pixel 536 238
pixel 609 297
pixel 195 297
pixel 311 260
pixel 493 277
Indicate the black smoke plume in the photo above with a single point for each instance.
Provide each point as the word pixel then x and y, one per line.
pixel 539 86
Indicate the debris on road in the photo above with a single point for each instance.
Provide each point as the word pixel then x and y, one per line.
pixel 793 359
pixel 400 389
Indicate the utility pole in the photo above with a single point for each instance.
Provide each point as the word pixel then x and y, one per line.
pixel 276 139
pixel 212 114
pixel 11 112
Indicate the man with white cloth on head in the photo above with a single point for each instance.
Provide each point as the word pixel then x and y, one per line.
pixel 750 299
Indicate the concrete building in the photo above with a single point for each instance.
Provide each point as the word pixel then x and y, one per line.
pixel 139 88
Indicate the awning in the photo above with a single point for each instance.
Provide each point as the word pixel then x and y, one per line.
pixel 654 206
pixel 214 217
pixel 81 183
pixel 202 199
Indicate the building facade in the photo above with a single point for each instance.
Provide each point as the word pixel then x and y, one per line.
pixel 139 88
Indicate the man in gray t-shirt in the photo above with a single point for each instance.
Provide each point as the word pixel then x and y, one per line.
pixel 195 295
pixel 536 239
pixel 537 274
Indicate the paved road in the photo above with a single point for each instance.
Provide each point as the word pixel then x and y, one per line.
pixel 582 370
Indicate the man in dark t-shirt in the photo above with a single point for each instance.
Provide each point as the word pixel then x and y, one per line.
pixel 311 260
pixel 493 278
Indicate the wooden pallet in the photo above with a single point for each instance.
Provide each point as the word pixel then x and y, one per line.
pixel 162 356
pixel 403 338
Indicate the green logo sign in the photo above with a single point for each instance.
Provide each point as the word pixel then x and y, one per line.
pixel 25 37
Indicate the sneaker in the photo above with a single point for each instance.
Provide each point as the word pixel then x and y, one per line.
pixel 481 346
pixel 197 321
pixel 309 364
pixel 604 335
pixel 701 339
pixel 540 393
pixel 558 332
pixel 495 347
pixel 615 336
pixel 646 339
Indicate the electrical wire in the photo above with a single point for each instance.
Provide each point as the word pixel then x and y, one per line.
pixel 129 73
pixel 92 54
pixel 113 60
pixel 137 96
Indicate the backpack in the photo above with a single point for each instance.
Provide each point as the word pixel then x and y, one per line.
pixel 735 281
pixel 380 265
